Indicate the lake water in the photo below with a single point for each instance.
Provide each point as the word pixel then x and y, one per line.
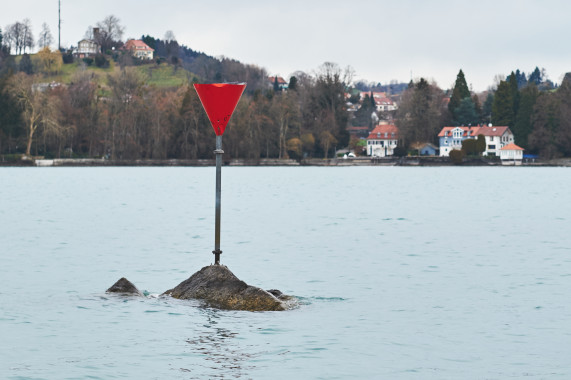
pixel 401 273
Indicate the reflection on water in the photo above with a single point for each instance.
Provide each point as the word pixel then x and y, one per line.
pixel 220 349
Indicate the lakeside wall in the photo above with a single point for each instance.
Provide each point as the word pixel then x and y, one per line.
pixel 358 161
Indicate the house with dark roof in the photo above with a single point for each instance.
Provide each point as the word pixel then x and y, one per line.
pixel 496 138
pixel 87 48
pixel 382 140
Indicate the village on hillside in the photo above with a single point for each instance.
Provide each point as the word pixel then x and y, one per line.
pixel 137 103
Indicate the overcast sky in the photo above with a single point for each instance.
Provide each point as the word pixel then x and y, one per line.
pixel 381 40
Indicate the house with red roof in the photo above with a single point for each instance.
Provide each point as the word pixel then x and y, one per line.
pixel 282 83
pixel 382 140
pixel 385 104
pixel 496 138
pixel 139 49
pixel 382 102
pixel 511 154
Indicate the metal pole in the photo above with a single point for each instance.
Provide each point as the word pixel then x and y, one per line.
pixel 218 153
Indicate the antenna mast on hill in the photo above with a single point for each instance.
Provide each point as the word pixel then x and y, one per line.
pixel 59 24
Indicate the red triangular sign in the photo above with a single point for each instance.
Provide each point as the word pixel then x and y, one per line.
pixel 219 101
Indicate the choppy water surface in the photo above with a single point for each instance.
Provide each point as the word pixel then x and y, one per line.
pixel 402 273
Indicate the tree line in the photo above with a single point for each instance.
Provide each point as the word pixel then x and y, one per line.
pixel 132 120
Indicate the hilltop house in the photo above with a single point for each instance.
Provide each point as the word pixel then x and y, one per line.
pixel 139 49
pixel 282 84
pixel 86 48
pixel 496 138
pixel 382 140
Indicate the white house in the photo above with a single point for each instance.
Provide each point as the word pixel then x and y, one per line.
pixel 382 140
pixel 282 83
pixel 385 104
pixel 496 138
pixel 86 48
pixel 139 49
pixel 511 154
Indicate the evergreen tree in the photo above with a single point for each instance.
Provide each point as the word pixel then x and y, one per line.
pixel 466 113
pixel 292 84
pixel 150 41
pixel 487 108
pixel 522 127
pixel 535 77
pixel 276 84
pixel 521 79
pixel 459 93
pixel 514 91
pixel 477 107
pixel 502 108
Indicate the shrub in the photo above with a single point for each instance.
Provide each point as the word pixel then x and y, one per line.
pixel 399 151
pixel 456 156
pixel 470 147
pixel 88 61
pixel 67 58
pixel 101 61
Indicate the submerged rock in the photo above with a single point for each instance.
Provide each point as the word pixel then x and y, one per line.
pixel 124 286
pixel 220 288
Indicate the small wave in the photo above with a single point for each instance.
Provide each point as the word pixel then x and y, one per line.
pixel 310 300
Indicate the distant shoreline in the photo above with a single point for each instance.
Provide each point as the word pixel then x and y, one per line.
pixel 332 162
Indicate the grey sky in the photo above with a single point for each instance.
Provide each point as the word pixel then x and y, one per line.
pixel 382 40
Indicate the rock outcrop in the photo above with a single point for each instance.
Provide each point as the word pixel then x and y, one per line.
pixel 220 288
pixel 126 287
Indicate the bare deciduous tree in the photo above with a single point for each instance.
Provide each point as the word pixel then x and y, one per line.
pixel 45 39
pixel 109 33
pixel 38 107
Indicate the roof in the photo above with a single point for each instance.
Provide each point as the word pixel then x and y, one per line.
pixel 512 147
pixel 137 45
pixel 476 130
pixel 376 95
pixel 386 101
pixel 382 129
pixel 280 80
